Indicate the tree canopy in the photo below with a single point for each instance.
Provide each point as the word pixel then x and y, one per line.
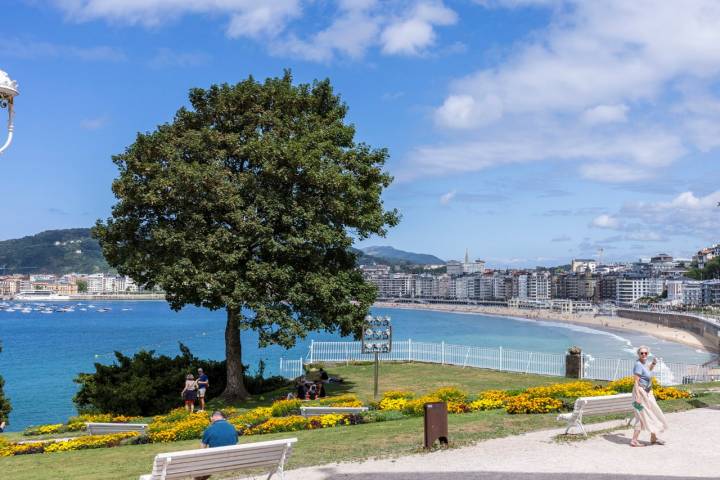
pixel 250 201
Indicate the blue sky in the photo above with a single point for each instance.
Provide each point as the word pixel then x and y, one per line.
pixel 528 131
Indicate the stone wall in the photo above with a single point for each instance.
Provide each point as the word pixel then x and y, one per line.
pixel 702 328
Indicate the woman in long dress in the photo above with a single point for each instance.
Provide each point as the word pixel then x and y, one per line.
pixel 648 416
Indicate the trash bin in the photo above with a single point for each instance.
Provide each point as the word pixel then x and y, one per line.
pixel 436 423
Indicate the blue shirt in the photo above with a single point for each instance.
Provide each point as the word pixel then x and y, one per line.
pixel 220 434
pixel 202 381
pixel 644 373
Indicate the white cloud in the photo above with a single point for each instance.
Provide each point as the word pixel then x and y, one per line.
pixel 605 221
pixel 686 214
pixel 21 48
pixel 446 198
pixel 605 114
pixel 351 27
pixel 94 123
pixel 565 93
pixel 413 34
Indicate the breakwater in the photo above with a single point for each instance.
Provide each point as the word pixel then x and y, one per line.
pixel 706 329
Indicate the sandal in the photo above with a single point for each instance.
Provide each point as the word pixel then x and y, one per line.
pixel 634 443
pixel 657 441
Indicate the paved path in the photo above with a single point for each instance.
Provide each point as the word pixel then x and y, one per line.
pixel 692 451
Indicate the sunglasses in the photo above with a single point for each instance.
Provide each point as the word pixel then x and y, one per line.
pixel 643 353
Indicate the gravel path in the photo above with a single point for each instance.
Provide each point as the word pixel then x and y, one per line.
pixel 691 452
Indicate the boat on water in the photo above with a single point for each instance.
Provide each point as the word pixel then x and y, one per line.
pixel 40 295
pixel 103 310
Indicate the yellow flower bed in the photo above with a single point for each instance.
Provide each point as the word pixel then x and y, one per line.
pixel 417 406
pixel 525 404
pixel 495 395
pixel 249 419
pixel 393 403
pixel 282 408
pixel 670 393
pixel 281 424
pixel 178 425
pixel 346 400
pixel 45 429
pixel 486 404
pixel 79 443
pixel 569 390
pixel 333 420
pixel 398 394
pixel 450 394
pixel 90 441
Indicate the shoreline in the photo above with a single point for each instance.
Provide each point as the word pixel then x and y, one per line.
pixel 587 320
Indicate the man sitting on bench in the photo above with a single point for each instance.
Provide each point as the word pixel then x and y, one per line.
pixel 220 433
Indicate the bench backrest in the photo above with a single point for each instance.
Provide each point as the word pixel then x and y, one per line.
pixel 313 411
pixel 107 428
pixel 621 402
pixel 206 461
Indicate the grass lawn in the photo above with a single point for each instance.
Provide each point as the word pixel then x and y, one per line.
pixel 335 444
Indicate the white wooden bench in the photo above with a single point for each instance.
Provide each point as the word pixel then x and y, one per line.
pixel 622 402
pixel 315 411
pixel 208 461
pixel 108 428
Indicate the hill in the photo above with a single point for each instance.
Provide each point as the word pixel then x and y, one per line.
pixel 401 256
pixel 53 251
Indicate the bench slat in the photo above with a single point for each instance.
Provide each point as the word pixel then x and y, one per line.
pixel 216 460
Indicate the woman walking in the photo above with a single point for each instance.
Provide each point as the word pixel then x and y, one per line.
pixel 189 393
pixel 648 416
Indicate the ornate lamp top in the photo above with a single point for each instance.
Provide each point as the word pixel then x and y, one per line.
pixel 8 87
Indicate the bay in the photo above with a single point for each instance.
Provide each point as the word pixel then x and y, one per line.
pixel 42 353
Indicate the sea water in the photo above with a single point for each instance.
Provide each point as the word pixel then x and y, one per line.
pixel 43 353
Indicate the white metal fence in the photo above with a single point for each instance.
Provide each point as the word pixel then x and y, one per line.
pixel 291 368
pixel 491 358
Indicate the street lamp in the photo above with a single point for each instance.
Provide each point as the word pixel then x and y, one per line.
pixel 8 91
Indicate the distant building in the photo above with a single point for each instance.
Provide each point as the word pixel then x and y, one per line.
pixel 630 289
pixel 579 265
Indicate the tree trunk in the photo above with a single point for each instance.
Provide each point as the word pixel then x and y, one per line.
pixel 235 388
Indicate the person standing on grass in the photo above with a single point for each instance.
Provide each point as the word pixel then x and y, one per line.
pixel 189 393
pixel 2 427
pixel 203 383
pixel 648 416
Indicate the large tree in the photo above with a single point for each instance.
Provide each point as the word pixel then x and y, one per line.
pixel 249 201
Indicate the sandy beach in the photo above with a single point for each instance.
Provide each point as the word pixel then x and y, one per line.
pixel 590 320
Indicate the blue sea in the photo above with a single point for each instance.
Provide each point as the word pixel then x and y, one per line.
pixel 42 353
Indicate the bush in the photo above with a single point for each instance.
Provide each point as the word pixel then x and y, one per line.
pixel 146 384
pixel 527 404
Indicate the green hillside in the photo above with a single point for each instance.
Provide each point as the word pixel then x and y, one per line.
pixel 53 251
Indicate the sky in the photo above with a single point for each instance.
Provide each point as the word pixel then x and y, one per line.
pixel 529 132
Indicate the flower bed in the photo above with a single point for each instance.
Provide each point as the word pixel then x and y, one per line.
pixel 76 424
pixel 80 443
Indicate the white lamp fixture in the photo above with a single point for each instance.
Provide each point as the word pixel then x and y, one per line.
pixel 8 91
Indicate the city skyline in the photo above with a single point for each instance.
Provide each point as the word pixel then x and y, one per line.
pixel 508 135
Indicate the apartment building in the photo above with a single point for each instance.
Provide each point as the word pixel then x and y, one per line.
pixel 630 289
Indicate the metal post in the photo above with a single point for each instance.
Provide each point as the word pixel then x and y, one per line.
pixel 409 350
pixel 377 371
pixel 312 344
pixel 347 353
pixel 443 352
pixel 501 360
pixel 467 354
pixel 527 368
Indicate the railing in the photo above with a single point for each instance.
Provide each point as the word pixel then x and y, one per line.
pixel 500 358
pixel 291 368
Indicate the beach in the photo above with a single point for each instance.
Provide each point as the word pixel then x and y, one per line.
pixel 588 319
